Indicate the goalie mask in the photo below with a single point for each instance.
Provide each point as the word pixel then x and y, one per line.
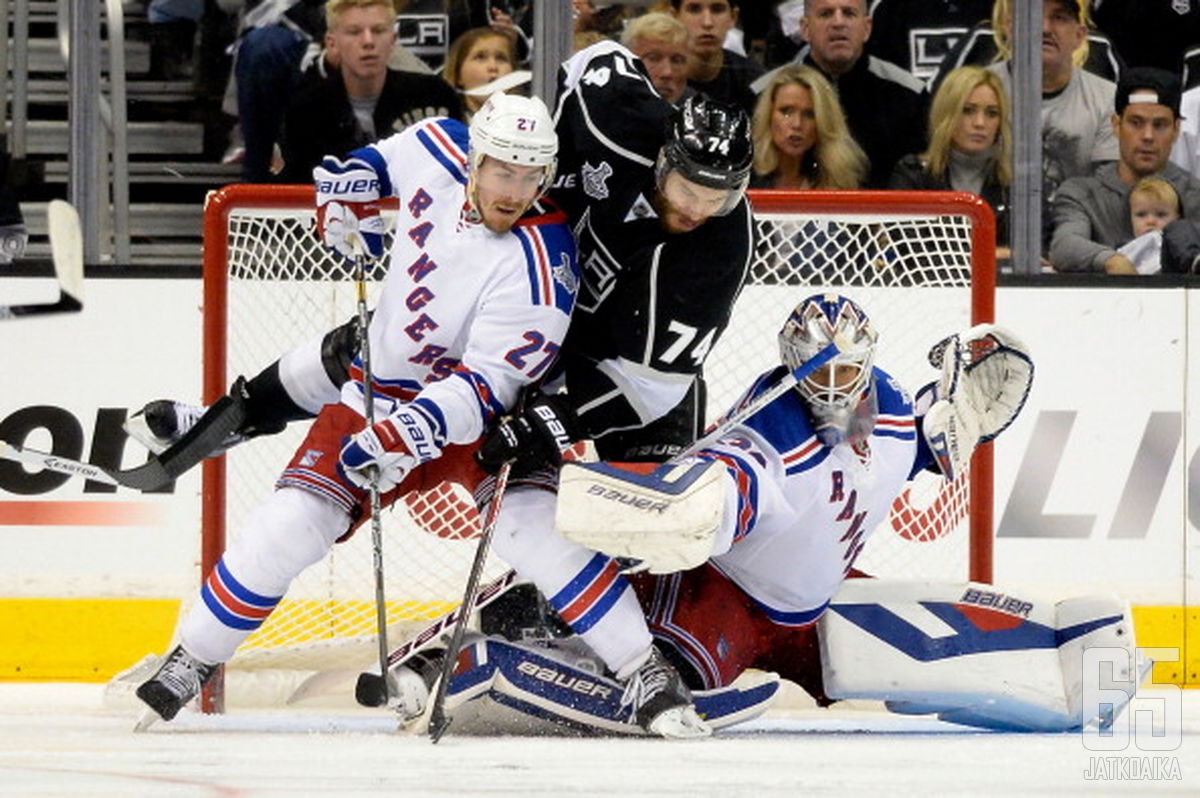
pixel 516 130
pixel 708 143
pixel 839 394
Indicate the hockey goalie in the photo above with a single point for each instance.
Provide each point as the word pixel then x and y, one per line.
pixel 735 555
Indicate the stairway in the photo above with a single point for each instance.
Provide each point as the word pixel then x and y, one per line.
pixel 173 163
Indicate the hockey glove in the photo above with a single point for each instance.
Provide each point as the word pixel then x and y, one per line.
pixel 394 446
pixel 986 376
pixel 532 439
pixel 348 219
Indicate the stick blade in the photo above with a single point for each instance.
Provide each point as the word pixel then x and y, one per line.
pixel 66 246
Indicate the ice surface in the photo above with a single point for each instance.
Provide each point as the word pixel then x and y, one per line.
pixel 56 740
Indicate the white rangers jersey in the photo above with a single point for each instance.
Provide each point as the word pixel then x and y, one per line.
pixel 466 317
pixel 805 510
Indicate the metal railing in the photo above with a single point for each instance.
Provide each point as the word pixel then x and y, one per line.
pixel 98 168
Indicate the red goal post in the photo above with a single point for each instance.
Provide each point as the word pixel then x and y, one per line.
pixel 921 263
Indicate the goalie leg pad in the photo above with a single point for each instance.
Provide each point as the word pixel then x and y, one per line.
pixel 501 687
pixel 668 518
pixel 970 653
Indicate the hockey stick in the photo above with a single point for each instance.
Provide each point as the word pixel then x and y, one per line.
pixel 370 690
pixel 438 721
pixel 364 349
pixel 66 247
pixel 789 381
pixel 225 416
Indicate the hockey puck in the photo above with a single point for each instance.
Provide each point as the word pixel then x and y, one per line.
pixel 371 690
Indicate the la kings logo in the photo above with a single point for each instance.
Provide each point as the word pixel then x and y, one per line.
pixel 595 179
pixel 599 268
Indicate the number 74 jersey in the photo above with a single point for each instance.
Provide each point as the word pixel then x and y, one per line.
pixel 466 316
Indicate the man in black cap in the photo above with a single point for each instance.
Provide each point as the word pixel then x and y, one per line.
pixel 1091 214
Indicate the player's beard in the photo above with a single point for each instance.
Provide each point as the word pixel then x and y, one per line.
pixel 478 211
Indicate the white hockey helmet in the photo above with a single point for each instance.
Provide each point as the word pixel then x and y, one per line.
pixel 839 396
pixel 516 130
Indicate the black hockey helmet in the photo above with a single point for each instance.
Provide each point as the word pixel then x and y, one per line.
pixel 709 142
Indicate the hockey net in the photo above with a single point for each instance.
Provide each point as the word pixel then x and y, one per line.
pixel 921 264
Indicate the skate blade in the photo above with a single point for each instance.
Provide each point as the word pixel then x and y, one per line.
pixel 149 718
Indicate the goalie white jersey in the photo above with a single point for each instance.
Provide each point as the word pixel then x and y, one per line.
pixel 455 336
pixel 804 510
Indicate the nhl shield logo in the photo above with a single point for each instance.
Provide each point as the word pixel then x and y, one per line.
pixel 595 179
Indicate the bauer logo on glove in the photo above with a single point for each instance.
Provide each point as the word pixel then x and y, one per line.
pixel 348 207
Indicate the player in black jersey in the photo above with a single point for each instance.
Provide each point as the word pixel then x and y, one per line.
pixel 657 199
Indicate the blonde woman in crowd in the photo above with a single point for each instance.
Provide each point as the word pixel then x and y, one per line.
pixel 801 140
pixel 970 145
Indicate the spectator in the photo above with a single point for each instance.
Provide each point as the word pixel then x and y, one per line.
pixel 970 145
pixel 173 25
pixel 801 140
pixel 598 16
pixel 661 41
pixel 583 39
pixel 1091 214
pixel 714 70
pixel 267 71
pixel 917 34
pixel 279 53
pixel 1186 153
pixel 476 58
pixel 987 42
pixel 1153 204
pixel 1077 131
pixel 362 100
pixel 1150 32
pixel 885 106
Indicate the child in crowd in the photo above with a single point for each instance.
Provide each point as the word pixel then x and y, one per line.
pixel 1153 204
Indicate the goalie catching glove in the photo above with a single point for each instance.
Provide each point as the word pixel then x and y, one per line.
pixel 986 377
pixel 394 446
pixel 532 438
pixel 348 219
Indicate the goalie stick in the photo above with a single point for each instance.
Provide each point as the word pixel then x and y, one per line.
pixel 66 248
pixel 786 383
pixel 224 417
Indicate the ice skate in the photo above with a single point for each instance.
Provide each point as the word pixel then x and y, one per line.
pixel 177 681
pixel 162 423
pixel 660 702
